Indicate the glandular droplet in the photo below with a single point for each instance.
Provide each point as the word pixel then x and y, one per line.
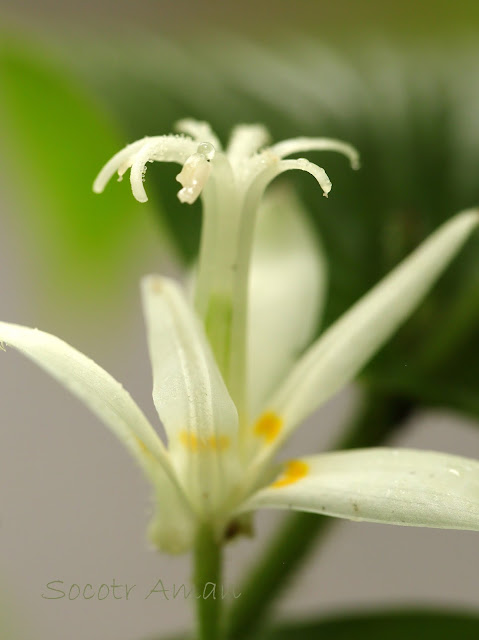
pixel 206 149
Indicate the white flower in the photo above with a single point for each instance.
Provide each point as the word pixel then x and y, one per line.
pixel 219 464
pixel 231 184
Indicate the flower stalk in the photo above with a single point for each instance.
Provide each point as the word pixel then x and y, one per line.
pixel 207 580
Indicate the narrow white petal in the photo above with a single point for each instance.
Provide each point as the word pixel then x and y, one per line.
pixel 286 292
pixel 300 145
pixel 305 165
pixel 199 131
pixel 120 162
pixel 189 393
pixel 266 166
pixel 173 528
pixel 340 353
pixel 391 486
pixel 160 149
pixel 245 140
pixel 96 388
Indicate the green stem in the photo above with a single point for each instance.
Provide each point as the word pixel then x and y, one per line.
pixel 377 418
pixel 207 580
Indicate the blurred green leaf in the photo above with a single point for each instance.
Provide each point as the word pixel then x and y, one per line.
pixel 416 625
pixel 56 138
pixel 395 625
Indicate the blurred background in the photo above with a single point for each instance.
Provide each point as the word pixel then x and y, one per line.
pixel 80 80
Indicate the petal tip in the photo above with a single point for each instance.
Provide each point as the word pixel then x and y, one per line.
pixel 153 283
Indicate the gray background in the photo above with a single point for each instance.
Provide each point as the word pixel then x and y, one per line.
pixel 73 507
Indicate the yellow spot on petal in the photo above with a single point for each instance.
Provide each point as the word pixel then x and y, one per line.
pixel 156 284
pixel 211 443
pixel 142 446
pixel 268 426
pixel 295 470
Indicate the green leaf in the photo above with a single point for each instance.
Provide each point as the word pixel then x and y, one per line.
pixel 414 625
pixel 56 138
pixel 390 625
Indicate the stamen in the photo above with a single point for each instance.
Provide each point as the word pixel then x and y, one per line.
pixel 195 173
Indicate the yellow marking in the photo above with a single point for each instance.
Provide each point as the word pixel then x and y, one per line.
pixel 212 443
pixel 295 470
pixel 268 426
pixel 156 284
pixel 142 446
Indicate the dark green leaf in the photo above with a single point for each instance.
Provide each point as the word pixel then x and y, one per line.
pixel 388 625
pixel 414 625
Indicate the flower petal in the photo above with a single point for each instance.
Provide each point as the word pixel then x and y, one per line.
pixel 160 148
pixel 94 386
pixel 189 393
pixel 392 486
pixel 288 273
pixel 265 167
pixel 120 162
pixel 300 145
pixel 199 131
pixel 174 524
pixel 245 140
pixel 337 356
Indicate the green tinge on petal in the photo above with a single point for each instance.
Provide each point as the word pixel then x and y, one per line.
pixel 341 352
pixel 390 486
pixel 216 288
pixel 217 323
pixel 190 395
